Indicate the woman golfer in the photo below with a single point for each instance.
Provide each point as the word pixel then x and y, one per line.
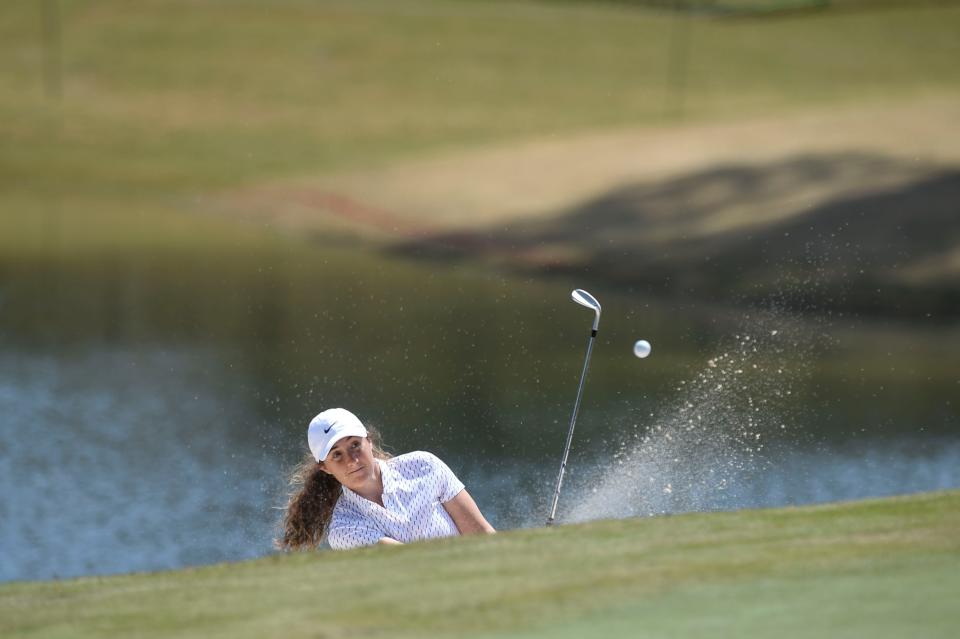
pixel 354 494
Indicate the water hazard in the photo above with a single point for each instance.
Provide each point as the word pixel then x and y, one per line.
pixel 152 404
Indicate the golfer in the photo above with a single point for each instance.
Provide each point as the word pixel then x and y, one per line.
pixel 354 494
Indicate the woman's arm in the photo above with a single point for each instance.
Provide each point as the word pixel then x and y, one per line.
pixel 465 514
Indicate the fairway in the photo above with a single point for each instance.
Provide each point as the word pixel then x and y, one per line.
pixel 210 94
pixel 880 568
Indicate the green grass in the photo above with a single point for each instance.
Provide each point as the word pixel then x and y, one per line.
pixel 177 95
pixel 164 100
pixel 881 568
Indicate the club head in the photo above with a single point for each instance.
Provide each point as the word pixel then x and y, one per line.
pixel 583 298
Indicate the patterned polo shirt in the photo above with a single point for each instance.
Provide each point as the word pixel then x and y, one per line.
pixel 415 487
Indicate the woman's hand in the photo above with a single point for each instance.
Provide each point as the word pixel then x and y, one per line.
pixel 389 541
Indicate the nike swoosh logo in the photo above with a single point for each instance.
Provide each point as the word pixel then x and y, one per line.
pixel 327 429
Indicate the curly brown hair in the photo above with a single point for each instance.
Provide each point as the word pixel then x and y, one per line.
pixel 310 506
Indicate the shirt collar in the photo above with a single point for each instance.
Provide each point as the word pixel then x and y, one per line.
pixel 387 476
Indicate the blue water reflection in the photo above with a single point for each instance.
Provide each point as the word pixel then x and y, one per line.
pixel 152 406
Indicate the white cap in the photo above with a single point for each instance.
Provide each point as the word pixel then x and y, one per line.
pixel 329 427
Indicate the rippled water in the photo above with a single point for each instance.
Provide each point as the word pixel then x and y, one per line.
pixel 151 409
pixel 117 461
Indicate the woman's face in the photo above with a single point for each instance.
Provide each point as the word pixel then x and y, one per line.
pixel 352 463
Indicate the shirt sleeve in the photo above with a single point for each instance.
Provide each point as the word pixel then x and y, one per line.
pixel 352 536
pixel 448 485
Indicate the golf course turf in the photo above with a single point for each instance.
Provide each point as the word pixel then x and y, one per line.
pixel 167 106
pixel 877 568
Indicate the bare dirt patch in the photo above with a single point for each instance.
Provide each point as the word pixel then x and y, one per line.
pixel 849 210
pixel 479 189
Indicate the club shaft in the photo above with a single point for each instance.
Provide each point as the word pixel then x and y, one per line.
pixel 573 423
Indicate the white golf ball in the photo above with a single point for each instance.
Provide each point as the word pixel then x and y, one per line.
pixel 641 348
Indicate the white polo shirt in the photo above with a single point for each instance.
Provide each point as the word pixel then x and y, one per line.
pixel 415 487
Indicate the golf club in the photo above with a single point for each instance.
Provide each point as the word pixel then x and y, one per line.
pixel 583 298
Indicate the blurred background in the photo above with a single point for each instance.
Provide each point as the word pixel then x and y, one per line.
pixel 218 218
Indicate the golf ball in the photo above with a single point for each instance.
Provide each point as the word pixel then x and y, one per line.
pixel 641 348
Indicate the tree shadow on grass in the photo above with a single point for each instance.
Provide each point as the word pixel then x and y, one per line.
pixel 845 232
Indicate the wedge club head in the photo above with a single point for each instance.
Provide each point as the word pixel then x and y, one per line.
pixel 584 298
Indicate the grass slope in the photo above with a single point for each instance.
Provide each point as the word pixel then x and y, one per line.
pixel 879 568
pixel 166 102
pixel 184 94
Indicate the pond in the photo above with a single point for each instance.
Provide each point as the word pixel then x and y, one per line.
pixel 152 401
